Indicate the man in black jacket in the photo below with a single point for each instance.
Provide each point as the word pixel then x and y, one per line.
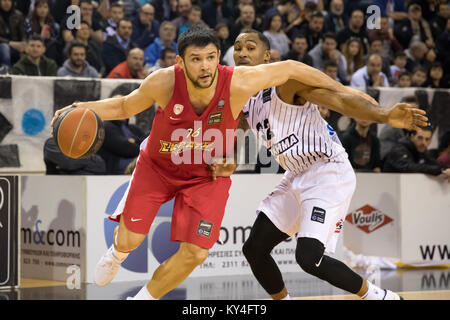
pixel 410 156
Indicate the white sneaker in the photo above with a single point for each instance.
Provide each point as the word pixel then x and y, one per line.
pixel 106 269
pixel 391 295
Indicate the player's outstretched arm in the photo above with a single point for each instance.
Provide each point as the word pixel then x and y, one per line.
pixel 249 80
pixel 129 105
pixel 401 115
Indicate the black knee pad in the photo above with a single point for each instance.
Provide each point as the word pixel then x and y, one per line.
pixel 309 253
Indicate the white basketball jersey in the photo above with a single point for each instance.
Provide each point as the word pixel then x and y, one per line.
pixel 296 135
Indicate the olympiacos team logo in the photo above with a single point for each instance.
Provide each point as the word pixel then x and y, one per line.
pixel 178 108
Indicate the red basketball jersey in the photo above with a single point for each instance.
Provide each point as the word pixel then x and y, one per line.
pixel 182 143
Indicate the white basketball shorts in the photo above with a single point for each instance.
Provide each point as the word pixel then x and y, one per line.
pixel 314 203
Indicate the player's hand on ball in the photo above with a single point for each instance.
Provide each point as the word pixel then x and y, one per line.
pixel 58 112
pixel 219 168
pixel 404 115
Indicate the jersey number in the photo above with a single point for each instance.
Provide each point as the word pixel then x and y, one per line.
pixel 259 127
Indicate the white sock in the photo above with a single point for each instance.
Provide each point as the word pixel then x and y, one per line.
pixel 288 297
pixel 374 293
pixel 143 294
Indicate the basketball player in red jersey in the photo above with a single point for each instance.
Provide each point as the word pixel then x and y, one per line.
pixel 195 95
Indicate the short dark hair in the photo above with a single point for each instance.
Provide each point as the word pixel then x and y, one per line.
pixel 329 63
pixel 165 51
pixel 261 37
pixel 124 19
pixel 427 128
pixel 74 45
pixel 283 2
pixel 196 8
pixel 399 54
pixel 310 6
pixel 198 36
pixel 35 37
pixel 317 14
pixel 329 35
pixel 419 68
pixel 404 73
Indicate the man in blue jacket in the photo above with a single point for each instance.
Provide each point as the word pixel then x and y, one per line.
pixel 167 35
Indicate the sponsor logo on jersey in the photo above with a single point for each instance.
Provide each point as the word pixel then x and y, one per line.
pixel 318 215
pixel 177 147
pixel 215 117
pixel 339 226
pixel 266 95
pixel 221 104
pixel 368 218
pixel 204 228
pixel 178 108
pixel 284 145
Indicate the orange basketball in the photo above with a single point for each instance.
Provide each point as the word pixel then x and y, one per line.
pixel 78 132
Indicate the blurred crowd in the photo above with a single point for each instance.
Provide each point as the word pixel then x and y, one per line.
pixel 400 44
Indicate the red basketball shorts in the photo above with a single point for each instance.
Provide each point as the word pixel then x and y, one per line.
pixel 198 210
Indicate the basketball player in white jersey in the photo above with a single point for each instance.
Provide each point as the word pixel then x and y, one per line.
pixel 313 197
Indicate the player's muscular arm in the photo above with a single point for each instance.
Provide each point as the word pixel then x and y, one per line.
pixel 155 88
pixel 401 115
pixel 247 81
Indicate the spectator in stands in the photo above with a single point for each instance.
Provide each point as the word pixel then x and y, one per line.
pixel 246 20
pixel 121 144
pixel 167 59
pixel 443 45
pixel 390 44
pixel 275 55
pixel 418 55
pixel 115 49
pixel 298 52
pixel 390 136
pixel 215 11
pixel 444 150
pixel 76 65
pixel 376 47
pixel 410 155
pixel 277 38
pixel 435 76
pixel 419 77
pixel 355 29
pixel 336 20
pixel 223 33
pixel 326 50
pixel 313 30
pixel 132 68
pixel 34 63
pixel 299 21
pixel 93 51
pixel 362 146
pixel 130 7
pixel 370 75
pixel 404 80
pixel 413 28
pixel 145 27
pixel 439 21
pixel 165 9
pixel 91 16
pixel 394 9
pixel 330 68
pixel 166 39
pixel 183 9
pixel 58 163
pixel 41 22
pixel 194 19
pixel 116 14
pixel 283 8
pixel 353 53
pixel 398 66
pixel 12 33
